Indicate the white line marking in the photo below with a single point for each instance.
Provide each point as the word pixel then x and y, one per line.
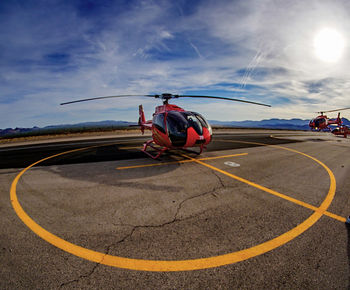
pixel 232 164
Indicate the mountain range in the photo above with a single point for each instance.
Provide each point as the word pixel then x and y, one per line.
pixel 284 124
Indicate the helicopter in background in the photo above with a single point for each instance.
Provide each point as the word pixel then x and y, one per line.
pixel 173 127
pixel 341 130
pixel 322 122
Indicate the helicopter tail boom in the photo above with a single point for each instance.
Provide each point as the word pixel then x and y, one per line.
pixel 338 121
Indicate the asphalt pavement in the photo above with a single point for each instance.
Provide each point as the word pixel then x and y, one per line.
pixel 257 209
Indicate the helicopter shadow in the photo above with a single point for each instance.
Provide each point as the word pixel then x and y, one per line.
pixel 131 168
pixel 113 165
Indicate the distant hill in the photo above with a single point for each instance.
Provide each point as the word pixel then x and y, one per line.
pixel 100 124
pixel 66 128
pixel 292 124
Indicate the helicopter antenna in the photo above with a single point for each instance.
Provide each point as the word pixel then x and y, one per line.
pixel 166 97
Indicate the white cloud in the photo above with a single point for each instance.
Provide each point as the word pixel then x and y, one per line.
pixel 263 47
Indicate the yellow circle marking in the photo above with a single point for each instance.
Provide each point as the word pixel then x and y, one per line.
pixel 168 265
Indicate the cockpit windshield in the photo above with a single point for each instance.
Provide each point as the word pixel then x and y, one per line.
pixel 194 122
pixel 203 122
pixel 177 128
pixel 178 123
pixel 320 121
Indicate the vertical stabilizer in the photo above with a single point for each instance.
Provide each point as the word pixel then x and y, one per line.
pixel 142 119
pixel 339 121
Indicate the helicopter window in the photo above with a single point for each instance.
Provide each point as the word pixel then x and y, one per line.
pixel 320 121
pixel 194 122
pixel 177 125
pixel 203 121
pixel 158 121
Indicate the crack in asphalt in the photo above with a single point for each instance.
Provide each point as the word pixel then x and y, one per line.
pixel 6 250
pixel 99 263
pixel 136 227
pixel 219 178
pixel 82 276
pixel 175 219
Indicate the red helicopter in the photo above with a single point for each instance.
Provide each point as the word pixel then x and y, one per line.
pixel 173 127
pixel 322 122
pixel 341 130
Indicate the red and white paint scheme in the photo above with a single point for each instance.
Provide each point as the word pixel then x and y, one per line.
pixel 173 127
pixel 341 130
pixel 322 122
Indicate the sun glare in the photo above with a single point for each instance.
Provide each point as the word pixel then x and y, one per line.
pixel 329 45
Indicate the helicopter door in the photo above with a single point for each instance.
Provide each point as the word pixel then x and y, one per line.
pixel 177 128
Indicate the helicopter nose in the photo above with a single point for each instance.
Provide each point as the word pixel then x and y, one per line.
pixel 200 140
pixel 194 139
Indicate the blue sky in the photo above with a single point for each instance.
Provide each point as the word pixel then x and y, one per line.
pixel 259 50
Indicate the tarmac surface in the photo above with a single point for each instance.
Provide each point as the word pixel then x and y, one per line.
pixel 257 209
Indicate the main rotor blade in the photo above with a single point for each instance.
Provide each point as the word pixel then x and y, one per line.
pixel 223 98
pixel 334 110
pixel 165 96
pixel 107 97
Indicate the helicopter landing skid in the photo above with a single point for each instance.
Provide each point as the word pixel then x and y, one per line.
pixel 160 150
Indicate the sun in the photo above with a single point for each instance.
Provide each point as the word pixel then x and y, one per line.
pixel 329 45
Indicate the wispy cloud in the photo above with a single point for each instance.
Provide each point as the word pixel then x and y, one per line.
pixel 259 50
